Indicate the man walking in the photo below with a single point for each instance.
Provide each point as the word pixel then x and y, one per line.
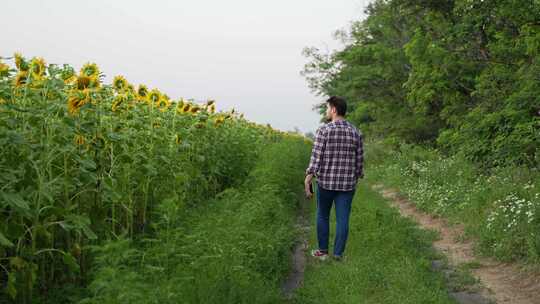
pixel 337 163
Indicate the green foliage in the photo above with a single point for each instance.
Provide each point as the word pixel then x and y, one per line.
pixel 500 208
pixel 73 177
pixel 234 249
pixel 461 75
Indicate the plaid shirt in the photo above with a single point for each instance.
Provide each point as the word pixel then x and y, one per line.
pixel 337 158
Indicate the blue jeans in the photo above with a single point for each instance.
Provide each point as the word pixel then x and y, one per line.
pixel 343 200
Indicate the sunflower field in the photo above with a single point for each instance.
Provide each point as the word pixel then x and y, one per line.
pixel 84 164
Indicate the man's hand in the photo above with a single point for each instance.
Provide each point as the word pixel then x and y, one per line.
pixel 307 184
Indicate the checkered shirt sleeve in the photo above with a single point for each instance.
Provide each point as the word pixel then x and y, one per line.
pixel 317 152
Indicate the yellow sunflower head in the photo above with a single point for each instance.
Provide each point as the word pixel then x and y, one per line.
pixel 186 108
pixel 194 109
pixel 4 69
pixel 95 82
pixel 37 67
pixel 154 96
pixel 219 120
pixel 21 79
pixel 79 140
pixel 212 108
pixel 179 106
pixel 119 100
pixel 142 92
pixel 83 82
pixel 120 83
pixel 90 70
pixel 77 99
pixel 163 103
pixel 21 63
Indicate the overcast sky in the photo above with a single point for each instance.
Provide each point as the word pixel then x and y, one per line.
pixel 245 54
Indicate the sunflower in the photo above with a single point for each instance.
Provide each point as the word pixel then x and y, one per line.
pixel 4 69
pixel 163 103
pixel 118 100
pixel 20 79
pixel 142 92
pixel 119 83
pixel 77 99
pixel 79 140
pixel 154 96
pixel 95 82
pixel 21 63
pixel 83 82
pixel 194 109
pixel 212 108
pixel 37 67
pixel 186 108
pixel 90 70
pixel 219 120
pixel 180 106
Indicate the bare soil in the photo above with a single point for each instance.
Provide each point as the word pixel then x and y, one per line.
pixel 295 277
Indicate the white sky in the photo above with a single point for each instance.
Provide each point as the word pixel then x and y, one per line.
pixel 245 54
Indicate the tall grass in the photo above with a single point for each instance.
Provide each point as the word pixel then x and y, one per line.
pixel 234 249
pixel 500 207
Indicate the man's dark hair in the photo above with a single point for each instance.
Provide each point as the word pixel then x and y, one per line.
pixel 339 103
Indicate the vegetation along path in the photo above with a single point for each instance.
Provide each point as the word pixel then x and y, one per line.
pixel 388 260
pixel 391 260
pixel 502 282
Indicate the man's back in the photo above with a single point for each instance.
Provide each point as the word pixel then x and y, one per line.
pixel 337 158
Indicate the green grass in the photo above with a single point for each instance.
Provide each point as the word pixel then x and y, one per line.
pixel 499 207
pixel 234 249
pixel 387 260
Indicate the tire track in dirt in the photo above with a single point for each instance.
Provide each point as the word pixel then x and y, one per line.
pixel 503 282
pixel 295 277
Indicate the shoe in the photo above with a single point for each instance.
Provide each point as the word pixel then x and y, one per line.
pixel 338 258
pixel 321 255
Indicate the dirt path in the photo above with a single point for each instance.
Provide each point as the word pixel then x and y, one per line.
pixel 298 262
pixel 504 282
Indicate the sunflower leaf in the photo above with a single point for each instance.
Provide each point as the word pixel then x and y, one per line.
pixel 15 201
pixel 71 262
pixel 4 241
